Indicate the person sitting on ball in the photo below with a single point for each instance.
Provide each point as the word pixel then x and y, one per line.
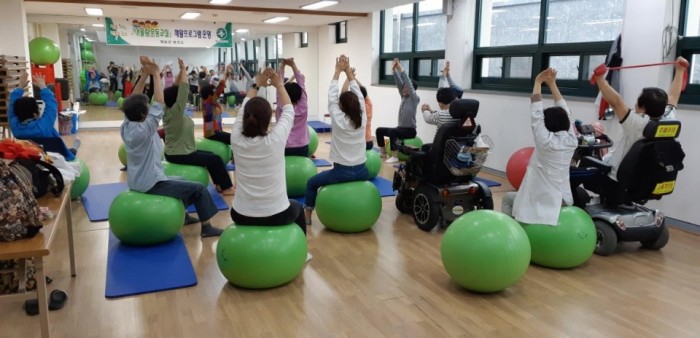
pixel 546 182
pixel 261 197
pixel 144 148
pixel 368 109
pixel 25 120
pixel 348 120
pixel 298 141
pixel 213 127
pixel 179 135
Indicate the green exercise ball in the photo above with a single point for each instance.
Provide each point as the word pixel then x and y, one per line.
pixel 261 257
pixel 118 94
pixel 122 154
pixel 567 245
pixel 373 163
pixel 416 142
pixel 98 98
pixel 81 182
pixel 349 207
pixel 120 102
pixel 87 55
pixel 485 251
pixel 231 100
pixel 43 51
pixel 190 173
pixel 298 170
pixel 221 149
pixel 86 45
pixel 313 141
pixel 142 219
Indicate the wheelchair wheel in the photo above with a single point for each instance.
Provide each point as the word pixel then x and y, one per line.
pixel 607 238
pixel 404 202
pixel 659 242
pixel 426 209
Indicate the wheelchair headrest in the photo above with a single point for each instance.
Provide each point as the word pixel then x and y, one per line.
pixel 464 108
pixel 662 129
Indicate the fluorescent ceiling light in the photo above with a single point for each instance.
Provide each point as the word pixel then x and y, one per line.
pixel 319 5
pixel 97 25
pixel 242 30
pixel 242 39
pixel 93 11
pixel 219 2
pixel 190 15
pixel 276 19
pixel 82 29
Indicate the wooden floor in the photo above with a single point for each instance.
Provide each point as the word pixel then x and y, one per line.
pixel 385 282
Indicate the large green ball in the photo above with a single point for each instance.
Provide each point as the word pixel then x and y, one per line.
pixel 349 207
pixel 81 182
pixel 43 51
pixel 415 142
pixel 485 251
pixel 260 257
pixel 86 45
pixel 567 245
pixel 120 102
pixel 87 55
pixel 143 219
pixel 118 94
pixel 373 163
pixel 122 154
pixel 313 141
pixel 298 170
pixel 98 98
pixel 220 149
pixel 190 173
pixel 231 100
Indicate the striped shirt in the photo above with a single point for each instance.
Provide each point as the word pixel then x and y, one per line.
pixel 438 118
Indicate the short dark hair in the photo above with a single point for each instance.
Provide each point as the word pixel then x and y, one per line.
pixel 350 105
pixel 170 95
pixel 206 91
pixel 556 119
pixel 445 95
pixel 415 84
pixel 257 113
pixel 135 107
pixel 364 91
pixel 294 91
pixel 202 75
pixel 654 101
pixel 25 108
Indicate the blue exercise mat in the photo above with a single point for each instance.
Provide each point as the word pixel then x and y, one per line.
pixel 135 270
pixel 319 127
pixel 382 184
pixel 111 104
pixel 319 162
pixel 98 197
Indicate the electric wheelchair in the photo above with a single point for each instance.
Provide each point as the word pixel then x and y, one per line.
pixel 648 171
pixel 436 184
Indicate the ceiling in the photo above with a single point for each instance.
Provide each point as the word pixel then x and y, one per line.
pixel 248 14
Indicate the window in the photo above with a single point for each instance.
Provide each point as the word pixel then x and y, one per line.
pixel 414 33
pixel 516 39
pixel 689 48
pixel 341 32
pixel 303 40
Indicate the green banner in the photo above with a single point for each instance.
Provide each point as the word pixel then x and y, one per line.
pixel 147 32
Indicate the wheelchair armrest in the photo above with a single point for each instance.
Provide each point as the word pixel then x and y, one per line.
pixel 410 151
pixel 590 161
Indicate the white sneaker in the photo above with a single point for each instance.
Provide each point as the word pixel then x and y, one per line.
pixel 391 160
pixel 308 257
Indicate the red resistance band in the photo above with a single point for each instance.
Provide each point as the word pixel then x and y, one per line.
pixel 602 69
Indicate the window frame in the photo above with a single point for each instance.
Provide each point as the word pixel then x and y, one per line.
pixel 338 37
pixel 274 62
pixel 687 47
pixel 540 53
pixel 413 57
pixel 303 44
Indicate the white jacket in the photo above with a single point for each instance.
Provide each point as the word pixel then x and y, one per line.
pixel 546 181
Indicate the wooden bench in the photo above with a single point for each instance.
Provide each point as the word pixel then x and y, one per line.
pixel 39 246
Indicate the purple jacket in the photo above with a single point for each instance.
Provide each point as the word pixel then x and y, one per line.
pixel 299 136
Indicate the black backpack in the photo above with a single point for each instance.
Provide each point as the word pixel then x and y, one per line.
pixel 45 177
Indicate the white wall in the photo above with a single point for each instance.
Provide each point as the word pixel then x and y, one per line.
pixel 307 62
pixel 129 55
pixel 13 19
pixel 505 117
